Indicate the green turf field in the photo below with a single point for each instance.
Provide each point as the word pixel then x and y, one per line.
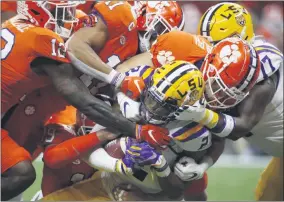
pixel 224 183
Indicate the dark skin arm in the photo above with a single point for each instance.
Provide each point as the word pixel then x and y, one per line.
pixel 252 108
pixel 250 111
pixel 77 94
pixel 17 179
pixel 216 149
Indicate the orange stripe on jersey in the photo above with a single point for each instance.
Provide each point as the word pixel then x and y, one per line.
pixel 184 136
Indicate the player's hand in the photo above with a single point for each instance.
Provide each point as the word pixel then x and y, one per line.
pixel 187 169
pixel 191 113
pixel 124 166
pixel 143 154
pixel 130 109
pixel 156 136
pixel 132 86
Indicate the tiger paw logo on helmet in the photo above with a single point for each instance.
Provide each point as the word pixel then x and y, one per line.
pixel 230 53
pixel 165 57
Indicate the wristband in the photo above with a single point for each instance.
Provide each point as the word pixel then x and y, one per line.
pixel 115 78
pixel 210 119
pixel 228 127
pixel 163 171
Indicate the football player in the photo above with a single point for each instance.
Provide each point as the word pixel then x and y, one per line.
pixel 259 117
pixel 17 78
pixel 146 180
pixel 122 50
pixel 58 173
pixel 105 38
pixel 44 24
pixel 248 59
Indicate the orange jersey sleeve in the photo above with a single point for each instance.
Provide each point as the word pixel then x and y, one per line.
pixel 49 44
pixel 178 45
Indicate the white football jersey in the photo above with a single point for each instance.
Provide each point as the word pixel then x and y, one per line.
pixel 268 133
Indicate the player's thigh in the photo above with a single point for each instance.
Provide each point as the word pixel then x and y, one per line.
pixel 270 184
pixel 11 152
pixel 90 189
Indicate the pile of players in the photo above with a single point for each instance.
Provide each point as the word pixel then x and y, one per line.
pixel 71 82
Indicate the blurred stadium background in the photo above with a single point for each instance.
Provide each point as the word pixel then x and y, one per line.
pixel 235 175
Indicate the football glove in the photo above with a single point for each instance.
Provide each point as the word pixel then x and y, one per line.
pixel 156 136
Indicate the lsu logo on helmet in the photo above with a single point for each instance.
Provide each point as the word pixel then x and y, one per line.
pixel 179 81
pixel 226 20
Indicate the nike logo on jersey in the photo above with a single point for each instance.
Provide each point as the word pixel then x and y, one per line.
pixel 124 108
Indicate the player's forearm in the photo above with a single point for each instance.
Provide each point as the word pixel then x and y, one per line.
pixel 83 52
pixel 86 60
pixel 213 154
pixel 101 160
pixel 68 151
pixel 77 94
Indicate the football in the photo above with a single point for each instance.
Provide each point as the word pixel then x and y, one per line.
pixel 116 148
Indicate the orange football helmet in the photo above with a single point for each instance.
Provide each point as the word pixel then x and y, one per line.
pixel 58 16
pixel 155 18
pixel 230 71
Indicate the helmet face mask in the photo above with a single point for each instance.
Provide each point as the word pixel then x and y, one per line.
pixel 217 94
pixel 58 16
pixel 155 18
pixel 171 87
pixel 154 110
pixel 230 72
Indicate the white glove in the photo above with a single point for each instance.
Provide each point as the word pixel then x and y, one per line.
pixel 130 109
pixel 191 113
pixel 187 169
